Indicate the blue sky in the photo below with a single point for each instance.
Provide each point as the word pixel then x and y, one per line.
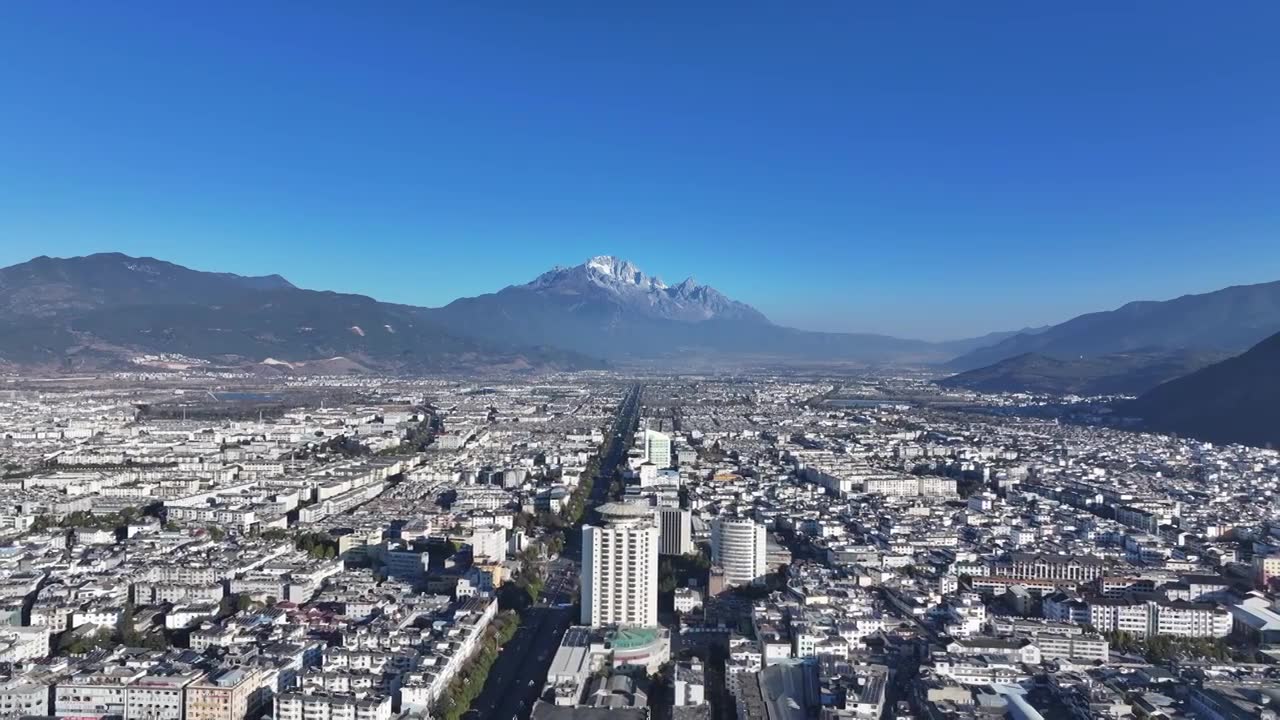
pixel 921 169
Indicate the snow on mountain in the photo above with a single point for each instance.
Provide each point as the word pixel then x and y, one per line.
pixel 613 279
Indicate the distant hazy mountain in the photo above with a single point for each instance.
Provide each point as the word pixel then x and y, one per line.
pixel 607 307
pixel 1115 374
pixel 968 345
pixel 1233 401
pixel 1228 320
pixel 49 286
pixel 101 310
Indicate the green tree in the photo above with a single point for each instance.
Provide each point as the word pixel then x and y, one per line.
pixel 555 545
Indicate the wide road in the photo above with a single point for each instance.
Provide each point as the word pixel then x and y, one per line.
pixel 521 668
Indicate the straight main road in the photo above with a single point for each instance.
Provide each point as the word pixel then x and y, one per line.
pixel 516 678
pixel 521 668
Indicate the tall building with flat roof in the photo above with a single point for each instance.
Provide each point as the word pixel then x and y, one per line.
pixel 676 530
pixel 620 567
pixel 739 546
pixel 657 448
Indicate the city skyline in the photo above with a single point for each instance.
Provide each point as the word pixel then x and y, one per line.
pixel 919 174
pixel 581 361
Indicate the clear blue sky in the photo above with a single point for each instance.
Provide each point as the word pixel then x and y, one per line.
pixel 916 168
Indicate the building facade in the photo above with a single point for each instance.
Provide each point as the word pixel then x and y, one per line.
pixel 657 448
pixel 620 567
pixel 224 695
pixel 739 546
pixel 676 531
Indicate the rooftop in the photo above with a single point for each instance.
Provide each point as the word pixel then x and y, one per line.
pixel 625 510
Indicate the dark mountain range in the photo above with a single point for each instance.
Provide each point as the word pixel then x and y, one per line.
pixel 1115 374
pixel 102 310
pixel 1228 320
pixel 608 308
pixel 48 286
pixel 1233 401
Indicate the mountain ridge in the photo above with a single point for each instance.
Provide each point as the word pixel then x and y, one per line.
pixel 617 280
pixel 1233 401
pixel 606 308
pixel 101 311
pixel 609 308
pixel 1231 319
pixel 1115 374
pixel 45 285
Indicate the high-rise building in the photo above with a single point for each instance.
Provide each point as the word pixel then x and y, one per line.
pixel 620 567
pixel 676 526
pixel 657 448
pixel 738 545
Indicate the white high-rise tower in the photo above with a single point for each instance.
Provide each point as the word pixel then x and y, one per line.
pixel 620 567
pixel 738 545
pixel 657 449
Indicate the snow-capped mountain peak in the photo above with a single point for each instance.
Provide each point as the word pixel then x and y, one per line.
pixel 620 282
pixel 610 268
pixel 687 286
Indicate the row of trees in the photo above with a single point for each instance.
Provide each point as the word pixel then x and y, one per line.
pixel 319 545
pixel 526 588
pixel 316 544
pixel 575 507
pixel 86 519
pixel 1162 648
pixel 465 688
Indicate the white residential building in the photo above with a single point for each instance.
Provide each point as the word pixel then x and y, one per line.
pixel 738 545
pixel 158 695
pixel 19 697
pixel 620 568
pixel 320 705
pixel 23 643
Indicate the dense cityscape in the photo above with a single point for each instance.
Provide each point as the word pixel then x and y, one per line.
pixel 203 547
pixel 640 361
